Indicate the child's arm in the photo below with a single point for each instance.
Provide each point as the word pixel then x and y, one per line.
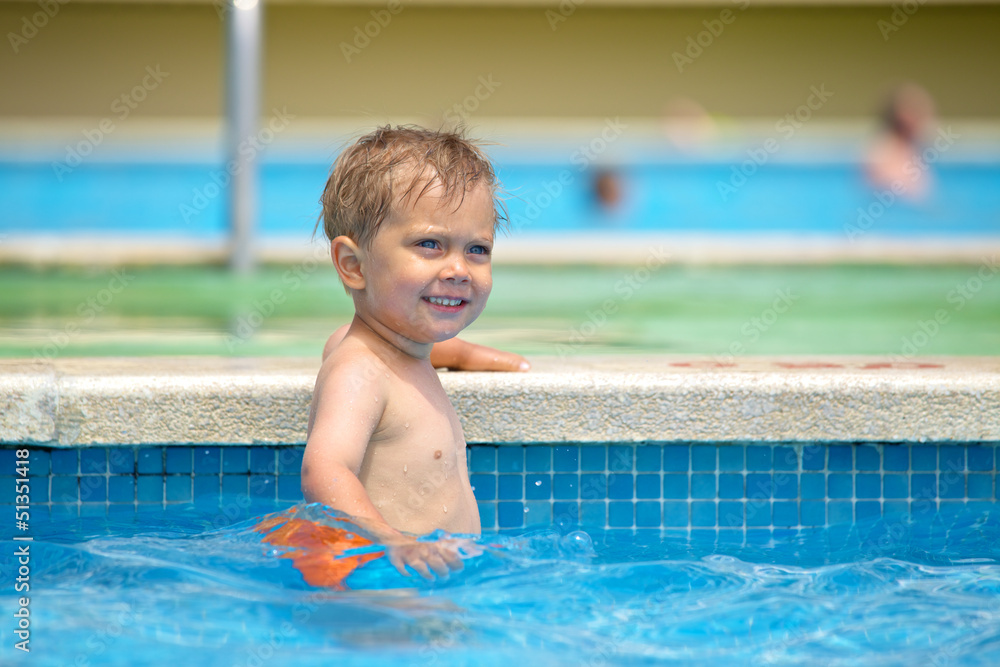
pixel 345 415
pixel 455 354
pixel 461 355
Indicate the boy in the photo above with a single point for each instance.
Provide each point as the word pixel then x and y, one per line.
pixel 411 216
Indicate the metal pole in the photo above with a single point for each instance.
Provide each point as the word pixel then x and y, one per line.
pixel 243 76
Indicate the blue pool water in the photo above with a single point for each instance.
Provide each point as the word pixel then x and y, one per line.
pixel 823 198
pixel 193 585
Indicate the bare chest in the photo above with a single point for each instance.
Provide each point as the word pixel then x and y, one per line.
pixel 415 465
pixel 420 424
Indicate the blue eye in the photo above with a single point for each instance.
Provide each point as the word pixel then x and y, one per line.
pixel 428 243
pixel 479 250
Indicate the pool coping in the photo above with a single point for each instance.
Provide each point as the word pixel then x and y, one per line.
pixel 76 402
pixel 597 247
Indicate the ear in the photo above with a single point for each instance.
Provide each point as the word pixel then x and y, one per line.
pixel 347 257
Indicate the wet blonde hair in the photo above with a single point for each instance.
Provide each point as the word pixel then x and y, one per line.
pixel 382 169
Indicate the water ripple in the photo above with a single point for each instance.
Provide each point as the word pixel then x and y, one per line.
pixel 162 586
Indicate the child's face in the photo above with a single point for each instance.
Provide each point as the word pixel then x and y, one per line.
pixel 427 272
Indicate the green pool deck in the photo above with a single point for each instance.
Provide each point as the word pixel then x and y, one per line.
pixel 282 310
pixel 220 401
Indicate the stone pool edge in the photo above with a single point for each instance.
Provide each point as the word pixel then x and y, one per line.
pixel 76 402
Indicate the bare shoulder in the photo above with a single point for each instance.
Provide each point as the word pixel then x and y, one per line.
pixel 353 362
pixel 352 378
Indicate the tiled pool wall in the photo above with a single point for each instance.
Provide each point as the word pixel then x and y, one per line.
pixel 739 487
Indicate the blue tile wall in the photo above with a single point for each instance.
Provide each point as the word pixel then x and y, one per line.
pixel 751 488
pixel 107 476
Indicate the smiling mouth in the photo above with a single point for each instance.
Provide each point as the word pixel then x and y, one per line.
pixel 442 301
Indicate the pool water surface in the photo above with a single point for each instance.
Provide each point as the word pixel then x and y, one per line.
pixel 195 585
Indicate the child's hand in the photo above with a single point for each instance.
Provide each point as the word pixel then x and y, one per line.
pixel 440 557
pixel 460 355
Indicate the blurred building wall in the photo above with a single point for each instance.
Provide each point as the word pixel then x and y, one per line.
pixel 599 62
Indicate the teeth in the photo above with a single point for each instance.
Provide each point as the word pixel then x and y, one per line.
pixel 441 301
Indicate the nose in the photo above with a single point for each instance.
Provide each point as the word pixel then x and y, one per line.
pixel 456 269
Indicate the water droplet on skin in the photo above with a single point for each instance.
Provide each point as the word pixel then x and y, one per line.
pixel 445 507
pixel 406 425
pixel 404 469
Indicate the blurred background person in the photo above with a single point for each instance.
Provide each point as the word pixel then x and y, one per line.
pixel 687 125
pixel 894 160
pixel 607 189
